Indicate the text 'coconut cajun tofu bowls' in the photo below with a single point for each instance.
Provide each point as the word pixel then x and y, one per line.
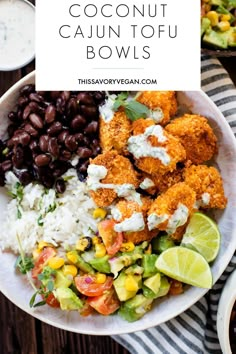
pixel 120 205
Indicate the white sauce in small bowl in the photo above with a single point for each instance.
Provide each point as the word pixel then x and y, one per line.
pixel 17 32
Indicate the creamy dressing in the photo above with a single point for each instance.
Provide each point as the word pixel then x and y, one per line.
pixel 132 224
pixel 17 20
pixel 156 114
pixel 126 190
pixel 204 201
pixel 147 183
pixel 155 220
pixel 139 146
pixel 116 214
pixel 179 218
pixel 106 110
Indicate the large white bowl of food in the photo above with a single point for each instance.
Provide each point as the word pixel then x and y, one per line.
pixel 117 209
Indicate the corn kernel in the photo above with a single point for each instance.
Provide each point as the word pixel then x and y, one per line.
pixel 70 269
pixel 131 283
pixel 127 247
pixel 149 249
pixel 224 26
pixel 225 17
pixel 99 213
pixel 83 244
pixel 213 17
pixel 100 250
pixel 42 244
pixel 36 253
pixel 72 257
pixel 100 278
pixel 96 240
pixel 56 262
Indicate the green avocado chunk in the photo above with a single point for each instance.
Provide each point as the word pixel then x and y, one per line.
pixel 148 264
pixel 163 289
pixel 133 309
pixel 61 281
pixel 119 285
pixel 205 24
pixel 101 264
pixel 153 282
pixel 216 39
pixel 81 264
pixel 68 299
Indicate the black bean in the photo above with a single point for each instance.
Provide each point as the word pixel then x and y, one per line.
pixel 27 89
pixel 71 107
pixel 36 120
pixel 78 122
pixel 26 112
pixel 50 114
pixel 43 143
pixel 86 141
pixel 79 137
pixel 13 117
pixel 24 176
pixel 23 138
pixel 18 157
pixel 34 107
pixel 96 150
pixel 53 147
pixel 31 130
pixel 22 101
pixel 62 136
pixel 59 168
pixel 84 153
pixel 19 114
pixel 83 168
pixel 54 129
pixel 42 160
pixel 36 97
pixel 65 95
pixel 91 128
pixel 84 98
pixel 65 155
pixel 6 165
pixel 55 94
pixel 60 105
pixel 33 145
pixel 99 97
pixel 11 129
pixel 71 143
pixel 89 111
pixel 60 185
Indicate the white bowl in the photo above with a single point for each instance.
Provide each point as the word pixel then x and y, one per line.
pixel 17 289
pixel 226 303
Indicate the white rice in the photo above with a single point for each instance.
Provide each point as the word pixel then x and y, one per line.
pixel 71 218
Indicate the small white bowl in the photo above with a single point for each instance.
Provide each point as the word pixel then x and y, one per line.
pixel 17 38
pixel 226 303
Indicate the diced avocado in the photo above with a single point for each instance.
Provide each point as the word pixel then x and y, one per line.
pixel 101 264
pixel 79 262
pixel 205 24
pixel 134 269
pixel 121 286
pixel 148 264
pixel 232 38
pixel 68 299
pixel 163 290
pixel 216 39
pixel 217 2
pixel 162 243
pixel 61 281
pixel 135 308
pixel 153 282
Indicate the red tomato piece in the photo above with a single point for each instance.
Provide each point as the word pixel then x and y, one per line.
pixel 86 284
pixel 41 261
pixel 105 304
pixel 86 310
pixel 111 239
pixel 52 301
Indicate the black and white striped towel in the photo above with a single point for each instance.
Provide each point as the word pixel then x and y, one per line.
pixel 194 331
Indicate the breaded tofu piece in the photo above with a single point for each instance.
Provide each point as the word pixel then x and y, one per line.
pixel 196 136
pixel 208 185
pixel 154 149
pixel 171 210
pixel 115 133
pixel 160 100
pixel 119 171
pixel 125 210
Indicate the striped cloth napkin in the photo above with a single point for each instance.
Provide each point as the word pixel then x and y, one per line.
pixel 194 331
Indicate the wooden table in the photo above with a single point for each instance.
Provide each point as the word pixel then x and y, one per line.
pixel 21 333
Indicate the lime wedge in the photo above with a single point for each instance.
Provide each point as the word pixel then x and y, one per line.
pixel 185 265
pixel 202 235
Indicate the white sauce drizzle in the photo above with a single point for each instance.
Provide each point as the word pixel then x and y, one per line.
pixel 204 201
pixel 116 214
pixel 132 224
pixel 155 220
pixel 126 190
pixel 156 114
pixel 139 146
pixel 106 110
pixel 179 218
pixel 147 183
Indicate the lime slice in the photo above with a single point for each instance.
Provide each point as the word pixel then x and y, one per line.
pixel 185 265
pixel 202 235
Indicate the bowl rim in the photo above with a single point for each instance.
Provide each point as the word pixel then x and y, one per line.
pixel 138 325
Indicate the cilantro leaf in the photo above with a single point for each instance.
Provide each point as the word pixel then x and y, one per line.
pixel 24 265
pixel 135 110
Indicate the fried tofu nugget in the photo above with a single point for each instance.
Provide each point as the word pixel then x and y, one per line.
pixel 196 136
pixel 171 210
pixel 208 185
pixel 115 133
pixel 154 149
pixel 165 101
pixel 125 210
pixel 119 171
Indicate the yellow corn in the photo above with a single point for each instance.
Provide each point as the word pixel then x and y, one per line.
pixel 100 278
pixel 131 283
pixel 70 269
pixel 82 244
pixel 42 244
pixel 99 213
pixel 36 253
pixel 213 17
pixel 56 262
pixel 225 17
pixel 96 240
pixel 72 257
pixel 127 247
pixel 100 250
pixel 149 249
pixel 224 26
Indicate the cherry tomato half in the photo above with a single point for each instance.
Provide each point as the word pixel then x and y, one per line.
pixel 52 301
pixel 41 261
pixel 106 303
pixel 111 239
pixel 86 284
